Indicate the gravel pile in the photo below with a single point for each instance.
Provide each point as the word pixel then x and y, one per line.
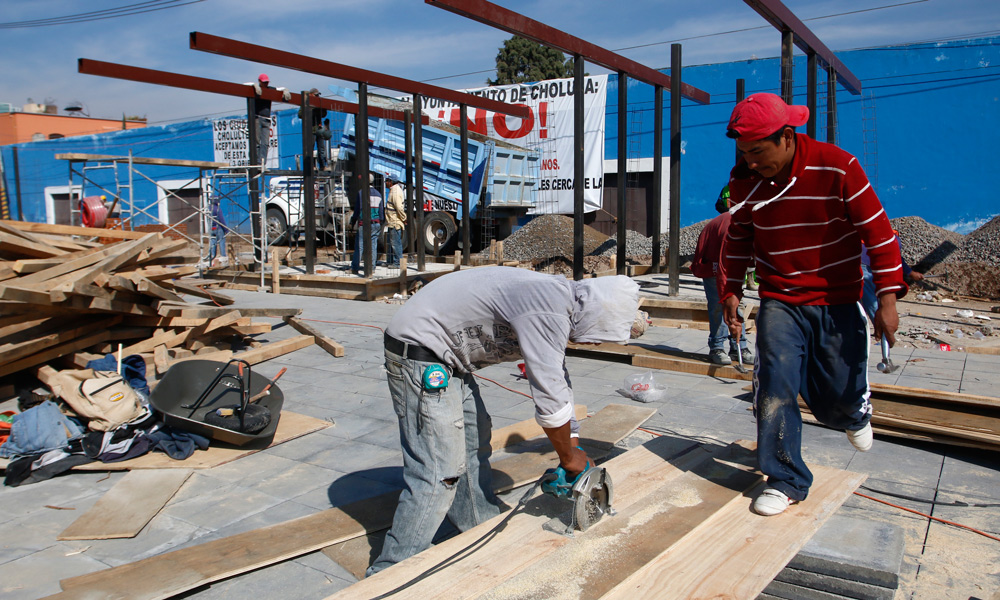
pixel 546 236
pixel 982 245
pixel 925 245
pixel 636 245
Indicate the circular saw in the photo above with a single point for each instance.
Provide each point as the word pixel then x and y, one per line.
pixel 591 494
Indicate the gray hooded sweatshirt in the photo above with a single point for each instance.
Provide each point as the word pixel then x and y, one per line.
pixel 489 315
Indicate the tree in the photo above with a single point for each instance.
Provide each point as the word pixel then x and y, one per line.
pixel 521 60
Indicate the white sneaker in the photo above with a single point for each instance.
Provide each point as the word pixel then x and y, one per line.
pixel 862 438
pixel 771 502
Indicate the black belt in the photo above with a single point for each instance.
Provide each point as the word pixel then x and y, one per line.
pixel 411 351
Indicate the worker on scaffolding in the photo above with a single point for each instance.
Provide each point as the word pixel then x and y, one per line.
pixel 217 245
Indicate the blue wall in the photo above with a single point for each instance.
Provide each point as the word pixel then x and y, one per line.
pixel 937 108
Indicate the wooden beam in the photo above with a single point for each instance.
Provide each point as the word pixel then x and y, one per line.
pixel 275 349
pixel 73 230
pixel 322 341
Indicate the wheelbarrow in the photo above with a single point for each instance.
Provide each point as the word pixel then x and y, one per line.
pixel 195 391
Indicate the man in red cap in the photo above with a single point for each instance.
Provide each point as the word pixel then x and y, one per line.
pixel 802 210
pixel 262 110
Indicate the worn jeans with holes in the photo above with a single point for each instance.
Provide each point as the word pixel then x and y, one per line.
pixel 445 437
pixel 821 353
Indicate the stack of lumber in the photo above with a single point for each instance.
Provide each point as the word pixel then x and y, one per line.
pixel 67 297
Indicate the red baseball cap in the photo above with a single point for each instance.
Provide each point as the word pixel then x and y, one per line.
pixel 264 77
pixel 759 115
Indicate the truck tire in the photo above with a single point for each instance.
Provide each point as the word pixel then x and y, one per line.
pixel 439 227
pixel 277 227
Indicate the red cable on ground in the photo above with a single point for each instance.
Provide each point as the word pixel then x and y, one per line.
pixel 503 386
pixel 916 512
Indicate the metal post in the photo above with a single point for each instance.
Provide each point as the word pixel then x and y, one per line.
pixel 675 170
pixel 787 58
pixel 17 184
pixel 831 105
pixel 811 61
pixel 463 121
pixel 361 176
pixel 253 172
pixel 578 167
pixel 418 160
pixel 408 146
pixel 622 168
pixel 741 93
pixel 308 194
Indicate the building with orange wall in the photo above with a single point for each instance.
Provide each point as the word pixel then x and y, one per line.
pixel 21 127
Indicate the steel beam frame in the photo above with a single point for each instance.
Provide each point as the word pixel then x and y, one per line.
pixel 517 24
pixel 778 15
pixel 201 84
pixel 279 58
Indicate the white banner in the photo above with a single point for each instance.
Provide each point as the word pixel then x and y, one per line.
pixel 549 130
pixel 231 142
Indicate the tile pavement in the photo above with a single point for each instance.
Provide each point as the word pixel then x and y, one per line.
pixel 358 457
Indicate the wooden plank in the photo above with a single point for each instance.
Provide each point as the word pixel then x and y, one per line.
pixel 192 290
pixel 73 230
pixel 17 247
pixel 193 311
pixel 596 561
pixel 128 506
pixel 13 352
pixel 290 426
pixel 141 160
pixel 56 351
pixel 522 541
pixel 175 572
pixel 735 554
pixel 275 349
pixel 322 341
pixel 526 430
pixel 696 368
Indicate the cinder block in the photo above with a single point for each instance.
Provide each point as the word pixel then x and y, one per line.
pixel 856 550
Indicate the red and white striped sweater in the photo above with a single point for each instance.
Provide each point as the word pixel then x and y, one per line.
pixel 806 235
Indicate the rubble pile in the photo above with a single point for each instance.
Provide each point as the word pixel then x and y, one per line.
pixel 925 245
pixel 549 236
pixel 982 245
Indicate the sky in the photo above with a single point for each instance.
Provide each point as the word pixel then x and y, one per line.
pixel 41 40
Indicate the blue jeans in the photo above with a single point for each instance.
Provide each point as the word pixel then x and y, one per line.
pixel 373 246
pixel 217 244
pixel 395 247
pixel 718 331
pixel 820 352
pixel 868 300
pixel 445 436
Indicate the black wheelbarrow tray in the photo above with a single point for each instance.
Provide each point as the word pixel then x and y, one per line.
pixel 185 382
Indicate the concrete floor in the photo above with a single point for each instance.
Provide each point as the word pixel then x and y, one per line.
pixel 359 457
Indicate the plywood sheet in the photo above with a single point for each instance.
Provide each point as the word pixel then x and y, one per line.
pixel 290 426
pixel 175 572
pixel 126 508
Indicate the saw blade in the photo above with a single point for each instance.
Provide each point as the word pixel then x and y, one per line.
pixel 589 508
